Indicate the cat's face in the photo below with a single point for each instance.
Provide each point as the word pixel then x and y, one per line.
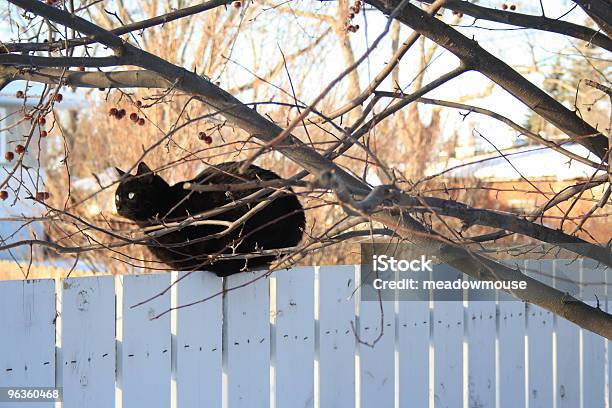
pixel 141 197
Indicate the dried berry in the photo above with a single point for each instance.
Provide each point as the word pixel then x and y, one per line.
pixel 134 117
pixel 43 133
pixel 9 156
pixel 42 195
pixel 3 195
pixel 20 94
pixel 113 112
pixel 237 4
pixel 208 140
pixel 141 121
pixel 20 149
pixel 59 97
pixel 138 104
pixel 201 135
pixel 505 6
pixel 41 120
pixel 513 7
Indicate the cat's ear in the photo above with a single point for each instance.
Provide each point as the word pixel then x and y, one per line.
pixel 119 171
pixel 143 169
pixel 145 173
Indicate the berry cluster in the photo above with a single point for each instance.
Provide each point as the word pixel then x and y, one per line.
pixel 137 119
pixel 41 123
pixel 511 6
pixel 353 11
pixel 120 114
pixel 117 113
pixel 206 138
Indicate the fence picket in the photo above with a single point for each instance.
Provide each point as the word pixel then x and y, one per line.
pixel 27 346
pixel 247 347
pixel 88 360
pixel 294 338
pixel 336 311
pixel 593 291
pixel 198 340
pixel 146 350
pixel 540 345
pixel 377 363
pixel 448 332
pixel 481 314
pixel 567 337
pixel 413 345
pixel 511 349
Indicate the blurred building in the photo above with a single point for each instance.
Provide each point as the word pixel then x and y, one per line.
pixel 522 179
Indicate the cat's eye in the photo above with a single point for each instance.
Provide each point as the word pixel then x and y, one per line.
pixel 130 195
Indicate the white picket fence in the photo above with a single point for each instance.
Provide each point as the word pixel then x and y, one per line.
pixel 287 341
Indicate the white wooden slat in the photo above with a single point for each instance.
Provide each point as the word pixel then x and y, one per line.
pixel 145 352
pixel 511 351
pixel 198 340
pixel 294 338
pixel 448 329
pixel 481 313
pixel 336 339
pixel 377 364
pixel 27 343
pixel 593 346
pixel 413 345
pixel 539 334
pixel 88 342
pixel 247 348
pixel 567 337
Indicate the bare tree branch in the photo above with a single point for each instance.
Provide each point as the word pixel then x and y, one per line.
pixel 530 21
pixel 478 59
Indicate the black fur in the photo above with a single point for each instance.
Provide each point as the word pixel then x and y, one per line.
pixel 153 201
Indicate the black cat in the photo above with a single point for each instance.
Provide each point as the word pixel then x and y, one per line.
pixel 148 200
